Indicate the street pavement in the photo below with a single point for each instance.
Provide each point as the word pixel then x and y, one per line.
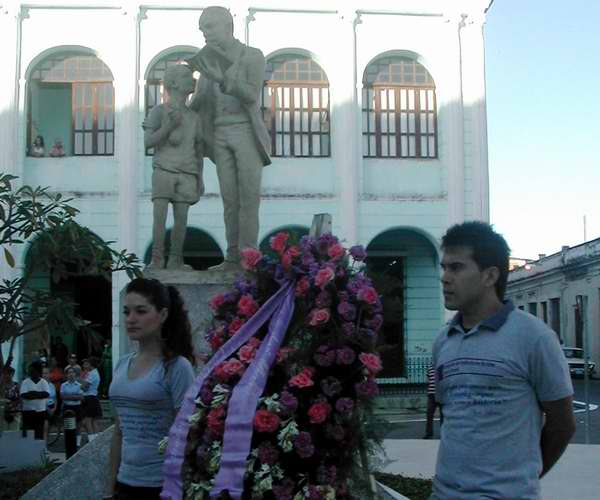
pixel 574 477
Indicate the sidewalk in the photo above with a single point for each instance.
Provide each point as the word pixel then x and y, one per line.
pixel 575 476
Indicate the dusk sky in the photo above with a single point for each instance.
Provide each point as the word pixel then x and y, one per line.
pixel 543 86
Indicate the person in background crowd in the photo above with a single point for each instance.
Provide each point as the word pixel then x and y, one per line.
pixel 51 402
pixel 59 350
pixel 55 375
pixel 71 394
pixel 501 378
pixel 34 393
pixel 12 406
pixel 42 357
pixel 91 410
pixel 432 404
pixel 37 148
pixel 106 367
pixel 58 149
pixel 148 387
pixel 74 365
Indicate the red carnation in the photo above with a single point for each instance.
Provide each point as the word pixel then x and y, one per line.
pixel 235 325
pixel 319 412
pixel 247 306
pixel 303 379
pixel 250 257
pixel 302 286
pixel 265 421
pixel 216 301
pixel 324 276
pixel 278 242
pixel 367 294
pixel 247 353
pixel 371 361
pixel 336 251
pixel 318 317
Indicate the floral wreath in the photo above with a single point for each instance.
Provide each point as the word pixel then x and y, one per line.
pixel 278 411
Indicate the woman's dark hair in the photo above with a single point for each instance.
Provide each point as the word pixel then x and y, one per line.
pixel 92 360
pixel 176 333
pixel 41 140
pixel 489 248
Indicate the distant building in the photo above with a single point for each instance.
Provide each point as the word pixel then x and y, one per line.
pixel 376 110
pixel 563 290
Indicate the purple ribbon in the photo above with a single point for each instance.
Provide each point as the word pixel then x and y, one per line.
pixel 242 405
pixel 173 483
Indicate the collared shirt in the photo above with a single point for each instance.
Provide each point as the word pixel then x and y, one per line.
pixel 71 389
pixel 92 379
pixel 490 381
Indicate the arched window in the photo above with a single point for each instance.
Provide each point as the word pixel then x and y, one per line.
pixel 71 100
pixel 295 107
pixel 154 92
pixel 399 110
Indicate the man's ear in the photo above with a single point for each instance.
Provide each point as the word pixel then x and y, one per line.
pixel 490 276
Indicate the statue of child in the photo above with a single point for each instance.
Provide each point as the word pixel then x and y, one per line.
pixel 175 133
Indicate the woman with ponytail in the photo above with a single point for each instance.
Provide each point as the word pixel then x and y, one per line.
pixel 148 387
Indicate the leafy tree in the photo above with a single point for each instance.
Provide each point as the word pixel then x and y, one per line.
pixel 61 246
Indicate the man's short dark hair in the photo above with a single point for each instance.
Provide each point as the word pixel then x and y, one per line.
pixel 488 247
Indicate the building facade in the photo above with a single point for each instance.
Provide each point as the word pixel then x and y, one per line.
pixel 376 111
pixel 563 290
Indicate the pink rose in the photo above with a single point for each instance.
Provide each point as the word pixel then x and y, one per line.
pixel 247 353
pixel 294 251
pixel 278 242
pixel 234 367
pixel 216 301
pixel 235 325
pixel 216 422
pixel 319 412
pixel 247 306
pixel 250 257
pixel 318 317
pixel 371 362
pixel 254 342
pixel 302 286
pixel 220 373
pixel 265 421
pixel 324 276
pixel 303 379
pixel 336 251
pixel 367 294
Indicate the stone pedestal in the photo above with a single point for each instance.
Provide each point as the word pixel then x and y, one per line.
pixel 196 288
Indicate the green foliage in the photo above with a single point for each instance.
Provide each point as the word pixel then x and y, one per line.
pixel 59 245
pixel 413 488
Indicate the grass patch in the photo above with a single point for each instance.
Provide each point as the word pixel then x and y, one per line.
pixel 410 487
pixel 16 484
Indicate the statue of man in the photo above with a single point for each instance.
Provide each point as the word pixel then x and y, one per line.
pixel 228 100
pixel 175 133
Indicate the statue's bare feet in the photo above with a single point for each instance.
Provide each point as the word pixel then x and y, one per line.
pixel 156 264
pixel 176 264
pixel 227 267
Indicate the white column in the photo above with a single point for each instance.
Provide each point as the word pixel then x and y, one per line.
pixel 345 131
pixel 474 101
pixel 10 29
pixel 454 128
pixel 10 21
pixel 130 162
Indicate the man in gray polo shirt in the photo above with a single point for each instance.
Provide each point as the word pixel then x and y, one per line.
pixel 501 379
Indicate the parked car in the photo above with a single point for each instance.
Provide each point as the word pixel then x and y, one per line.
pixel 576 362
